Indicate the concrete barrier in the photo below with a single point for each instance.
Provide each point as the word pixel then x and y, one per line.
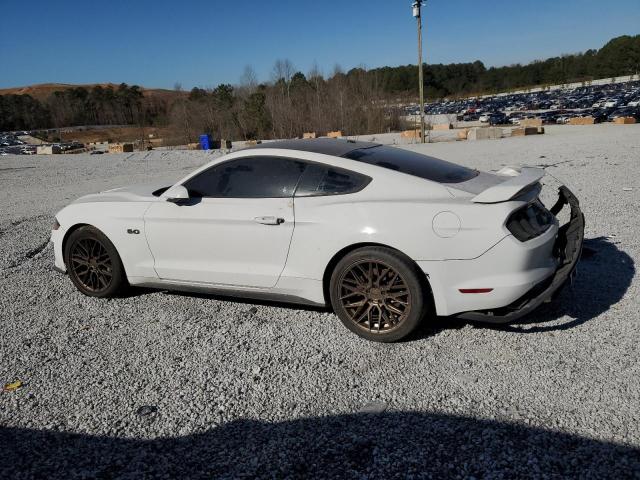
pixel 484 133
pixel 48 149
pixel 336 134
pixel 624 121
pixel 522 131
pixel 120 147
pixel 582 121
pixel 531 122
pixel 410 134
pixel 462 134
pixel 309 135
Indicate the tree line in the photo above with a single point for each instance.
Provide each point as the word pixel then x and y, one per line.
pixel 355 102
pixel 291 104
pixel 619 57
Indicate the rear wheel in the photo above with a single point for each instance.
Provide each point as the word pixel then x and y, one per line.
pixel 378 293
pixel 93 263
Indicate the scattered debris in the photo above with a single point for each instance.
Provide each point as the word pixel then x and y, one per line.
pixel 374 407
pixel 146 410
pixel 548 165
pixel 12 387
pixel 252 311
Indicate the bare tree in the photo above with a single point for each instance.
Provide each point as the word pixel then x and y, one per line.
pixel 248 80
pixel 289 105
pixel 317 82
pixel 181 115
pixel 338 78
pixel 279 100
pixel 283 70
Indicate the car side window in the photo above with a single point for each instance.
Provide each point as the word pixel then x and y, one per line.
pixel 320 180
pixel 251 177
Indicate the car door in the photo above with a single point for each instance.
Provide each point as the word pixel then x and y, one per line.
pixel 234 230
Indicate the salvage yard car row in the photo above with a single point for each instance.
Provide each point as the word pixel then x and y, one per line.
pixel 602 102
pixel 12 144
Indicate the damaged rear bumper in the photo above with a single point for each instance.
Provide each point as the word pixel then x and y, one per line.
pixel 568 248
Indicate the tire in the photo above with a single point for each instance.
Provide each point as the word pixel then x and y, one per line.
pixel 379 294
pixel 93 263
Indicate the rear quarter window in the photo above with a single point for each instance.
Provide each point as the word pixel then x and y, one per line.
pixel 320 180
pixel 412 163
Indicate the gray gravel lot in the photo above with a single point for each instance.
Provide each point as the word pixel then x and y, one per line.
pixel 166 385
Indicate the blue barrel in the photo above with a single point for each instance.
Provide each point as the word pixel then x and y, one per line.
pixel 206 141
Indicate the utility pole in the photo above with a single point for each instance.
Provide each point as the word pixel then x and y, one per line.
pixel 417 13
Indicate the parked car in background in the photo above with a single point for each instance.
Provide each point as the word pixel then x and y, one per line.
pixel 569 101
pixel 624 112
pixel 498 118
pixel 549 117
pixel 471 117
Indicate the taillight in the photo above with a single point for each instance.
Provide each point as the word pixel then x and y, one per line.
pixel 56 225
pixel 530 221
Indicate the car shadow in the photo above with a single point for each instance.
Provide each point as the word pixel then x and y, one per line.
pixel 362 445
pixel 604 274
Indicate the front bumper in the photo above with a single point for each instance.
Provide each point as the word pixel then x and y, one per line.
pixel 568 248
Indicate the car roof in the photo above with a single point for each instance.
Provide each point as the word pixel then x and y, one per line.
pixel 328 146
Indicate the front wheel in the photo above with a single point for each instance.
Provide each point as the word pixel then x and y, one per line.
pixel 378 293
pixel 93 263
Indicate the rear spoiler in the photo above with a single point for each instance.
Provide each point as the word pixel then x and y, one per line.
pixel 511 187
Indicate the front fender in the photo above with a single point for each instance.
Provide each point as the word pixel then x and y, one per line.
pixel 115 220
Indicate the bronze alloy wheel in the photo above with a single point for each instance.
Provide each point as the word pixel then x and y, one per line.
pixel 91 264
pixel 375 296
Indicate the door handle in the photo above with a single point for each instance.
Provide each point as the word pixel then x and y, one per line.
pixel 269 220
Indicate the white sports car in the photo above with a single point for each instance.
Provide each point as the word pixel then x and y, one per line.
pixel 385 236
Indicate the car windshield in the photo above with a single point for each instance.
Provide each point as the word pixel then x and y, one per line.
pixel 413 163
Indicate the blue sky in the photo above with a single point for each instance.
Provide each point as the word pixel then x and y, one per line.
pixel 204 43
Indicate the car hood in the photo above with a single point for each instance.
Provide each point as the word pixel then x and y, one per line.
pixel 133 193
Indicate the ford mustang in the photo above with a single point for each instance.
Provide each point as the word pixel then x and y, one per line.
pixel 384 236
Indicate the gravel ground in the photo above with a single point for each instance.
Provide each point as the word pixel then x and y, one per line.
pixel 165 385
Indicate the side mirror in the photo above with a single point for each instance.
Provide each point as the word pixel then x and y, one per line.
pixel 176 194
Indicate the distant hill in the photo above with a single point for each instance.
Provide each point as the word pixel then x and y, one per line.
pixel 42 91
